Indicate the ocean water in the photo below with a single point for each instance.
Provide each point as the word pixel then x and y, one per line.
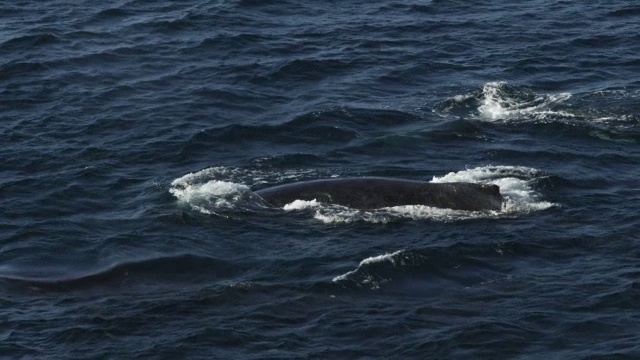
pixel 133 132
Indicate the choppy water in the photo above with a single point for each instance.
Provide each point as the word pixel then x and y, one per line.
pixel 132 134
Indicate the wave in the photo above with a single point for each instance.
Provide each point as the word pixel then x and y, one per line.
pixel 110 14
pixel 393 258
pixel 307 70
pixel 28 41
pixel 18 69
pixel 425 270
pixel 340 125
pixel 628 11
pixel 182 268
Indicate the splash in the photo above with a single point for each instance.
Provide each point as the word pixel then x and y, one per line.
pixel 210 196
pixel 611 113
pixel 515 182
pixel 500 101
pixel 222 189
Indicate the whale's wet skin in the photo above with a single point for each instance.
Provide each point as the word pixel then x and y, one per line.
pixel 377 192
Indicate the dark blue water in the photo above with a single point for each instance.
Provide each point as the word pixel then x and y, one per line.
pixel 133 131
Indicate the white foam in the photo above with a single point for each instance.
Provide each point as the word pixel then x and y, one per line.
pixel 242 175
pixel 418 212
pixel 499 101
pixel 188 192
pixel 498 104
pixel 335 214
pixel 207 196
pixel 370 260
pixel 462 98
pixel 486 173
pixel 301 205
pixel 515 184
pixel 229 174
pixel 222 188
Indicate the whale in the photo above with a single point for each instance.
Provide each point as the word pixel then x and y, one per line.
pixel 367 193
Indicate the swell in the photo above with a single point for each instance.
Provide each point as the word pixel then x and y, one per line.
pixel 181 268
pixel 26 41
pixel 487 269
pixel 425 271
pixel 325 128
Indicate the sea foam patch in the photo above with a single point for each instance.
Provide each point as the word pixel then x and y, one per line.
pixel 501 101
pixel 208 195
pixel 516 185
pixel 221 189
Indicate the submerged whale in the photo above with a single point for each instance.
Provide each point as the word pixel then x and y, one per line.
pixel 378 192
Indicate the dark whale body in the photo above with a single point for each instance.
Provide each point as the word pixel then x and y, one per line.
pixel 377 192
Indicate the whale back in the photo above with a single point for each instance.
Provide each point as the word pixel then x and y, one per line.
pixel 375 192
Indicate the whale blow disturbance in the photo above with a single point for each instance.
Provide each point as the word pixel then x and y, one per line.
pixel 376 192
